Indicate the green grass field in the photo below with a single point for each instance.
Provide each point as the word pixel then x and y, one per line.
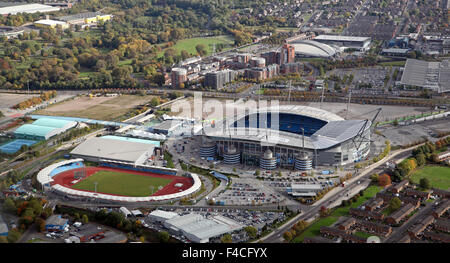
pixel 190 43
pixel 439 176
pixel 120 183
pixel 314 229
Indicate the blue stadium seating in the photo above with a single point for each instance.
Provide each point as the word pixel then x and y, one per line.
pixel 290 123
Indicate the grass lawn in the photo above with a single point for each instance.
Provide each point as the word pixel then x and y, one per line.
pixel 363 234
pixel 120 183
pixel 314 228
pixel 190 43
pixel 393 63
pixel 439 176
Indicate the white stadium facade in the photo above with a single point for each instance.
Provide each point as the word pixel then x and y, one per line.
pixel 328 139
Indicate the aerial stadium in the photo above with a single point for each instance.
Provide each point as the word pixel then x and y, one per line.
pixel 116 169
pixel 302 138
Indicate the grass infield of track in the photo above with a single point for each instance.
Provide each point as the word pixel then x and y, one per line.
pixel 119 183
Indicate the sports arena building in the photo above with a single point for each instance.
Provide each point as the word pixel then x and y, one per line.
pixel 359 43
pixel 115 148
pixel 309 48
pixel 328 139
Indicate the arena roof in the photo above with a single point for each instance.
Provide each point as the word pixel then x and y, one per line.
pixel 300 110
pixel 111 149
pixel 342 38
pixel 27 8
pixel 130 139
pixel 313 49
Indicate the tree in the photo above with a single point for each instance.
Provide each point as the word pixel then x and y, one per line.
pixel 384 180
pixel 421 159
pixel 40 224
pixel 155 101
pixel 374 177
pixel 201 49
pixel 84 219
pixel 394 204
pixel 9 205
pixel 163 236
pixel 425 183
pixel 287 236
pixel 251 231
pixel 226 238
pixel 13 236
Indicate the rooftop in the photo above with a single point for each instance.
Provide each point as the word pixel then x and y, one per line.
pixel 341 38
pixel 26 8
pixel 104 148
pixel 80 16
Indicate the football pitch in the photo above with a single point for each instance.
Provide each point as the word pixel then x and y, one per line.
pixel 120 183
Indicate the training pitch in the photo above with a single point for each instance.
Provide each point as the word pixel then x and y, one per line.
pixel 120 183
pixel 439 176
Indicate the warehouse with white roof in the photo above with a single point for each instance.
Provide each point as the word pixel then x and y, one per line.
pixel 110 148
pixel 26 8
pixel 198 229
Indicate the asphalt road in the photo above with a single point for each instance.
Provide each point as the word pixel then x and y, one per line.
pixel 312 211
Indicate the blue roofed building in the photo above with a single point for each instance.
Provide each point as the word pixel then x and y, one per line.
pixel 43 129
pixel 56 223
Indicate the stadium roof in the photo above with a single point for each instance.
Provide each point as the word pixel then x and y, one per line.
pixel 432 75
pixel 341 38
pixel 130 139
pixel 27 8
pixel 112 149
pixel 313 49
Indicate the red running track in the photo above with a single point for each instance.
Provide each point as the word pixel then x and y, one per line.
pixel 65 179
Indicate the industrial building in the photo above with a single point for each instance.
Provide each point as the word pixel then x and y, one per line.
pixel 161 216
pixel 16 8
pixel 304 190
pixel 113 149
pixel 167 127
pixel 359 43
pixel 10 32
pixel 56 223
pixel 48 23
pixel 198 229
pixel 328 139
pixel 85 18
pixel 43 129
pixel 429 75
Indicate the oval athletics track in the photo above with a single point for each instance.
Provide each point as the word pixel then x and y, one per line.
pixel 67 177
